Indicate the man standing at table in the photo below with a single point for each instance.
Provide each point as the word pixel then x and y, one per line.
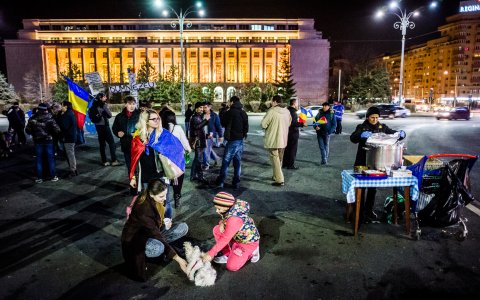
pixel 359 136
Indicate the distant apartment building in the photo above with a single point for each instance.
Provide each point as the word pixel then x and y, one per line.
pixel 443 68
pixel 226 52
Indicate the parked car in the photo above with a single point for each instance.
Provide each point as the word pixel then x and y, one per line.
pixel 461 112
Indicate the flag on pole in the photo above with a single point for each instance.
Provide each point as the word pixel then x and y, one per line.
pixel 79 99
pixel 302 118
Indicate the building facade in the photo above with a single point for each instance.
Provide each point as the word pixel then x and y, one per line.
pixel 445 68
pixel 226 52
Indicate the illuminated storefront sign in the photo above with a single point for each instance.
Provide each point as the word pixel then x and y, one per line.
pixel 470 6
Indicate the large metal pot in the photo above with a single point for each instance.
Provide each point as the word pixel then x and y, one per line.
pixel 381 156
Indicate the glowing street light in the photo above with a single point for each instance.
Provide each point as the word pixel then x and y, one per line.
pixel 403 23
pixel 181 23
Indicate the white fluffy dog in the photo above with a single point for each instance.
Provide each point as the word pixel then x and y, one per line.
pixel 202 273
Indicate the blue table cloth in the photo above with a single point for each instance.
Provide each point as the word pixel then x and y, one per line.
pixel 349 183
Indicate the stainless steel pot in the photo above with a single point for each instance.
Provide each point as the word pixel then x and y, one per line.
pixel 381 156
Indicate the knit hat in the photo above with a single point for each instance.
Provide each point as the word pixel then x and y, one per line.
pixel 373 110
pixel 43 106
pixel 224 199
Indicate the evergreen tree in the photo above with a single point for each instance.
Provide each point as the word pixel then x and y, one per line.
pixel 7 92
pixel 370 84
pixel 285 83
pixel 147 72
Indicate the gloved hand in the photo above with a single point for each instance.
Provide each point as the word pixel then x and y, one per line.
pixel 366 134
pixel 402 134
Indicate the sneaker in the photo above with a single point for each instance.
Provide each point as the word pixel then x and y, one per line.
pixel 255 255
pixel 38 180
pixel 221 259
pixel 55 178
pixel 205 168
pixel 106 164
pixel 278 184
pixel 371 218
pixel 116 163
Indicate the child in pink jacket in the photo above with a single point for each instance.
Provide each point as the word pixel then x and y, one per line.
pixel 236 234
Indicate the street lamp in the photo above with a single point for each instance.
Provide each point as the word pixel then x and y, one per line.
pixel 403 24
pixel 182 23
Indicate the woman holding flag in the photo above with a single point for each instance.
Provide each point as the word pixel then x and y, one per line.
pixel 325 124
pixel 156 153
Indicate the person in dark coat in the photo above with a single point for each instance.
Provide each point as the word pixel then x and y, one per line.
pixel 324 124
pixel 198 141
pixel 221 113
pixel 188 116
pixel 124 128
pixel 235 122
pixel 104 132
pixel 42 127
pixel 147 233
pixel 16 122
pixel 293 135
pixel 68 126
pixel 359 136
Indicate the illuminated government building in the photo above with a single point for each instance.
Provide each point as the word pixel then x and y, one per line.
pixel 445 67
pixel 227 52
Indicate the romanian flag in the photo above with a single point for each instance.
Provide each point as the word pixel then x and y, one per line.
pixel 79 99
pixel 302 118
pixel 322 120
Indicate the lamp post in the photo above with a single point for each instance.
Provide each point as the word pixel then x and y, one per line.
pixel 403 23
pixel 182 23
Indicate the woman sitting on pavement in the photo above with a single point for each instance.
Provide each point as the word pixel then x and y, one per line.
pixel 169 122
pixel 147 233
pixel 236 234
pixel 359 136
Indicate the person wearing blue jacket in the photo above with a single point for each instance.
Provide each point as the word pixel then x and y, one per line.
pixel 214 131
pixel 339 109
pixel 325 124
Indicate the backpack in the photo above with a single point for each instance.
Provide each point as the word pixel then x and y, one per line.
pixel 94 114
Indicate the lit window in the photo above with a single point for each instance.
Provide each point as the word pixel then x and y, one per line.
pixel 256 27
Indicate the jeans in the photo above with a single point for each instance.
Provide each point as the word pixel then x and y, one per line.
pixel 155 248
pixel 187 128
pixel 40 151
pixel 209 153
pixel 70 152
pixel 105 136
pixel 233 151
pixel 323 144
pixel 197 172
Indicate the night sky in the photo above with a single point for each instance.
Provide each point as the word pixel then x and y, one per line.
pixel 349 24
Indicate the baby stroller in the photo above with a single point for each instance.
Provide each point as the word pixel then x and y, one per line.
pixel 444 185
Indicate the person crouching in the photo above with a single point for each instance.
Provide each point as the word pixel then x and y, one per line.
pixel 236 234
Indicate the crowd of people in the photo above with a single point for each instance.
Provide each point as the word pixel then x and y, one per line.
pixel 148 136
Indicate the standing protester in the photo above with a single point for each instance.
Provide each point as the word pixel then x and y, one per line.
pixel 276 123
pixel 16 122
pixel 339 109
pixel 235 122
pixel 169 122
pixel 58 147
pixel 324 123
pixel 188 116
pixel 68 125
pixel 293 135
pixel 147 233
pixel 124 128
pixel 42 127
pixel 214 131
pixel 198 141
pixel 99 114
pixel 221 114
pixel 360 136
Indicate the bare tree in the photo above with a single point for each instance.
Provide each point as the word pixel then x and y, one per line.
pixel 34 92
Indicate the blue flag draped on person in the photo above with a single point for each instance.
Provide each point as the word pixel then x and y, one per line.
pixel 169 149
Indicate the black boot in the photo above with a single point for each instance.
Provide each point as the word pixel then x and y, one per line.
pixel 176 199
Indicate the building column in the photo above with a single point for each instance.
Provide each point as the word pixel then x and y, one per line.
pixel 159 62
pixel 251 65
pixel 198 65
pixel 237 58
pixel 211 64
pixel 83 64
pixel 224 65
pixel 276 63
pixel 95 58
pixel 108 66
pixel 56 61
pixel 263 65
